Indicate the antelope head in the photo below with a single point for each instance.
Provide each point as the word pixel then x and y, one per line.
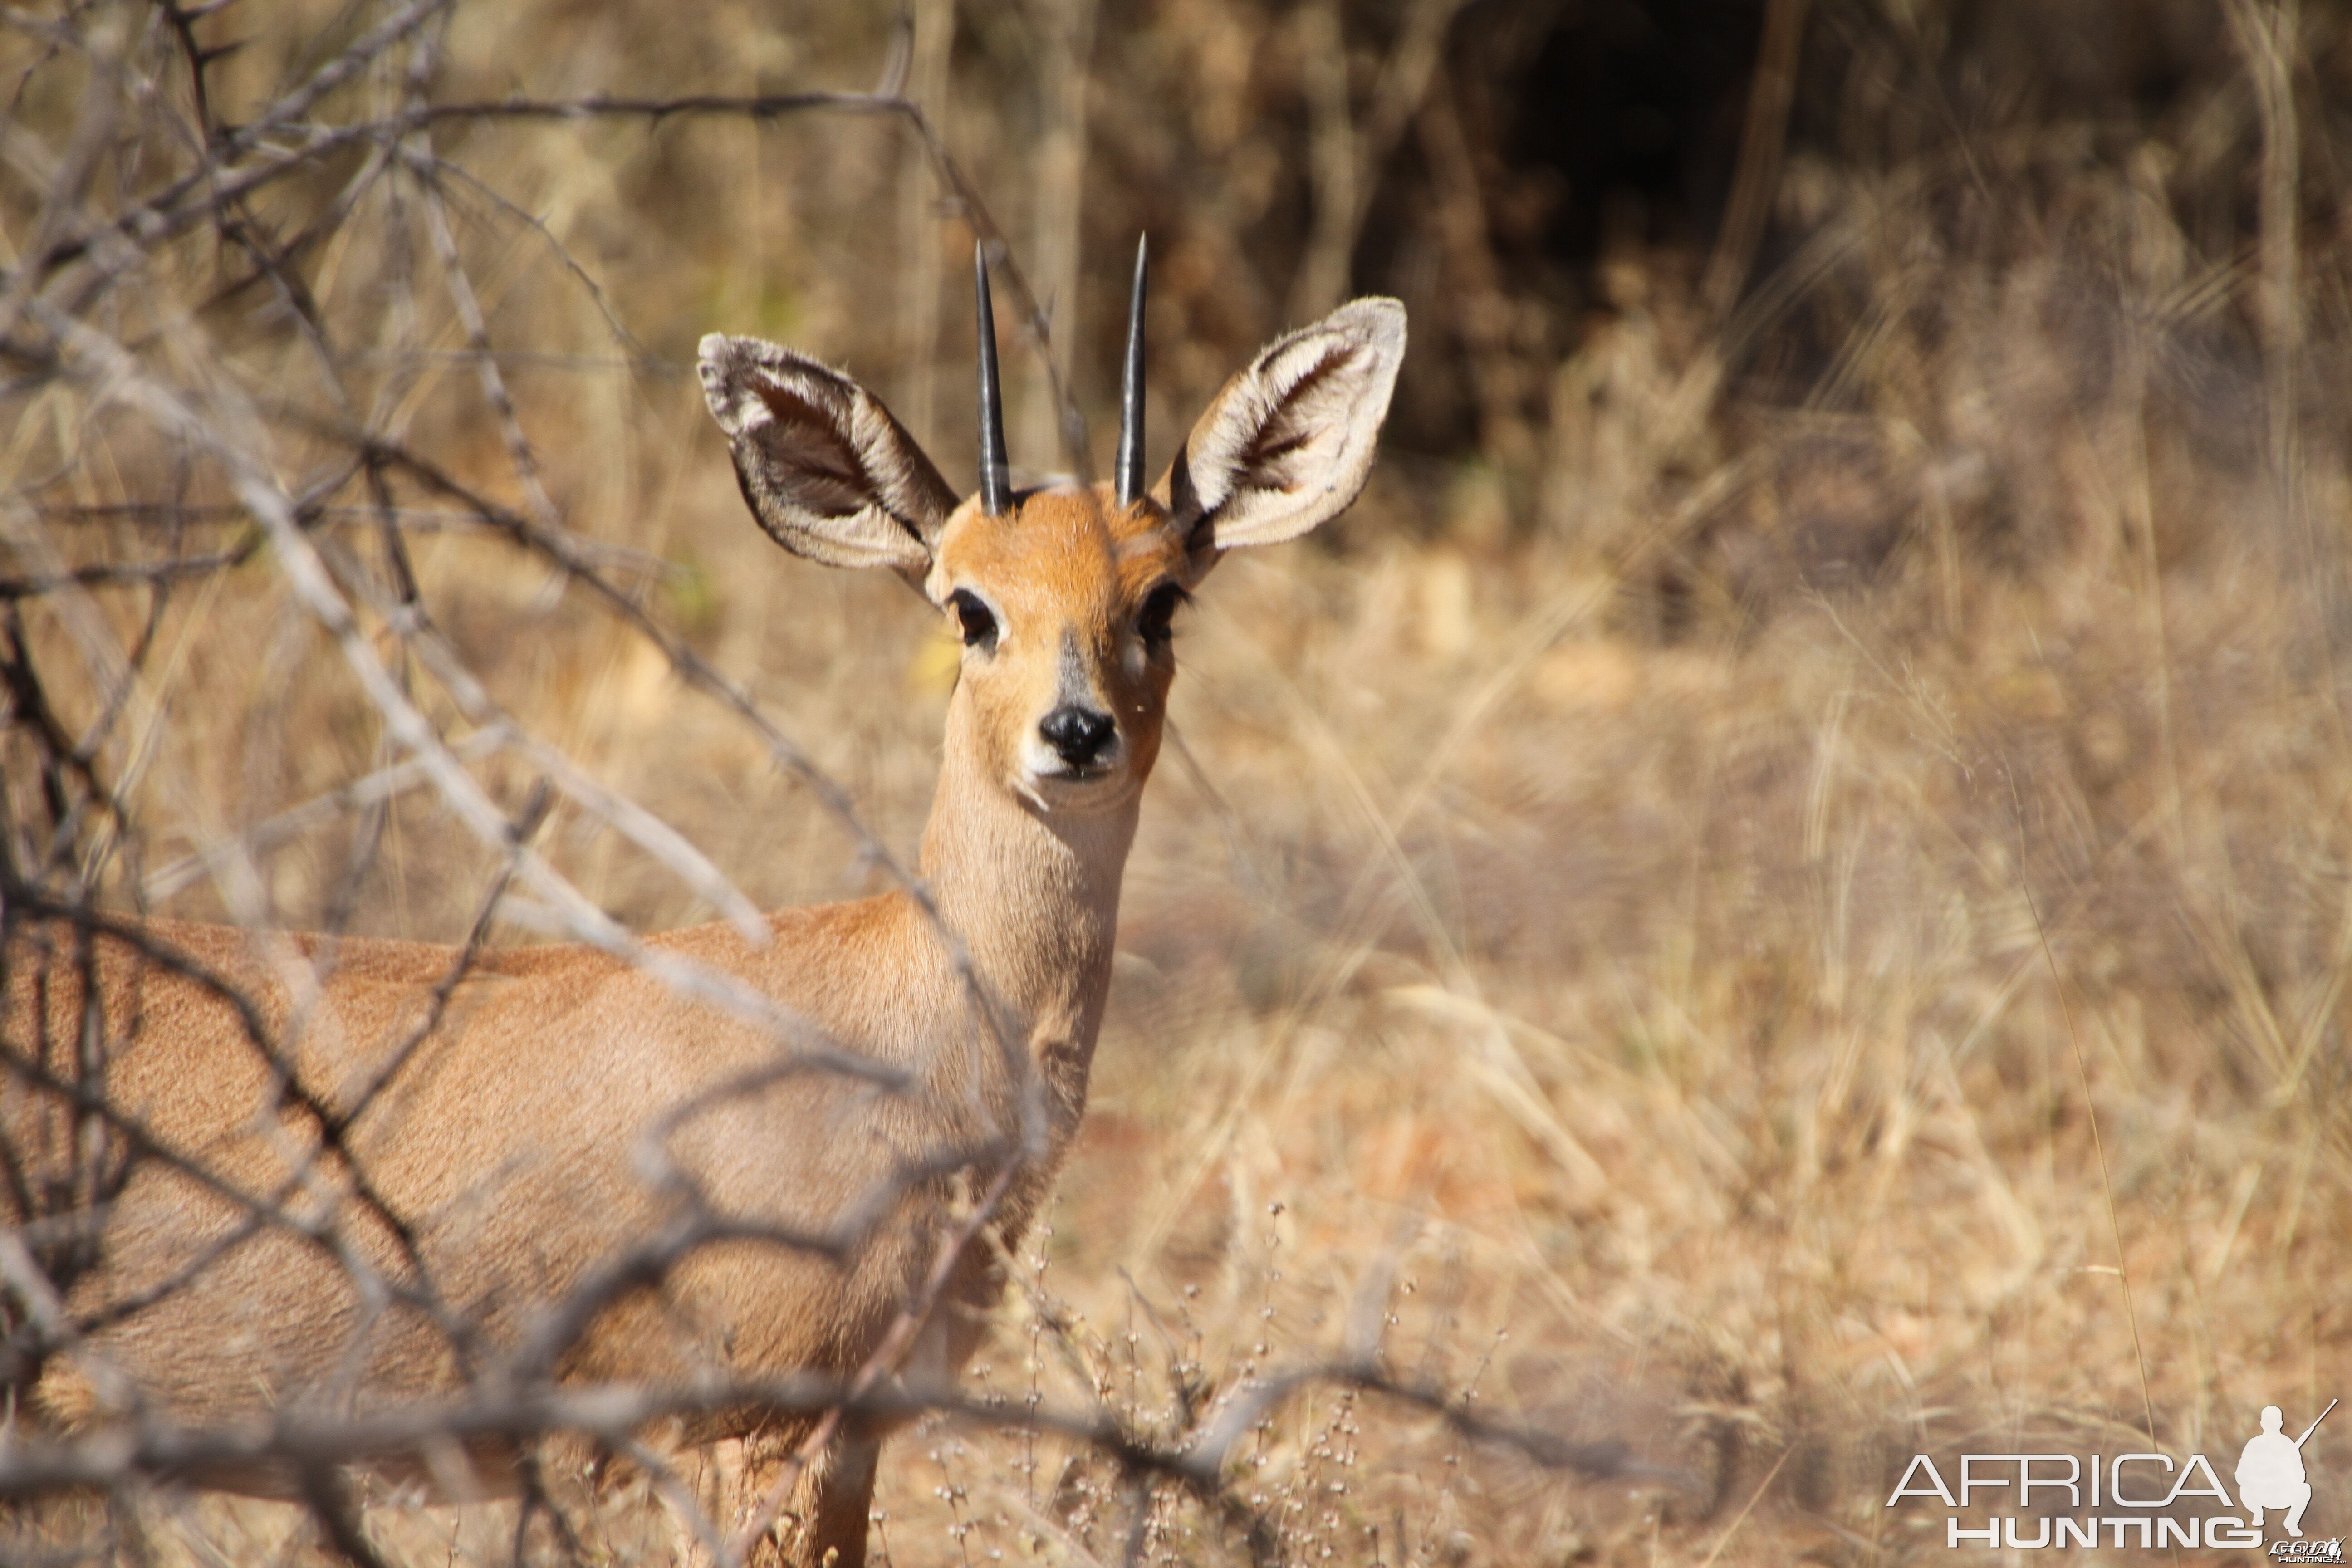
pixel 1064 596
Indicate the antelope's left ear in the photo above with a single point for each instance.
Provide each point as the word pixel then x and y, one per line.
pixel 1287 444
pixel 824 466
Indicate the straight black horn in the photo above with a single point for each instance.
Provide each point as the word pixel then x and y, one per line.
pixel 1130 388
pixel 996 470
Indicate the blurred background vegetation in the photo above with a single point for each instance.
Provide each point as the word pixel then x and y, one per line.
pixel 1780 891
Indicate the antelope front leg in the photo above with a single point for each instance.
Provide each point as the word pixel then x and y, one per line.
pixel 835 1524
pixel 823 1522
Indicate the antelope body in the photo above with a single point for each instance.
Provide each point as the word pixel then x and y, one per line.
pixel 563 1105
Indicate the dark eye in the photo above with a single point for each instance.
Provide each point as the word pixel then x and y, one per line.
pixel 1159 611
pixel 979 623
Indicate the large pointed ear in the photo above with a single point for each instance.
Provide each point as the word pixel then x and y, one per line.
pixel 1287 444
pixel 824 466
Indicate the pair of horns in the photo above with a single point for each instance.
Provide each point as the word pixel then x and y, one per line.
pixel 996 470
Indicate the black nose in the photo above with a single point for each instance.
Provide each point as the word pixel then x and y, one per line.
pixel 1078 735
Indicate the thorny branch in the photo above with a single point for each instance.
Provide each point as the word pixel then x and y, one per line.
pixel 1198 1461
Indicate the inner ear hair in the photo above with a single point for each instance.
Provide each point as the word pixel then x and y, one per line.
pixel 1287 443
pixel 824 466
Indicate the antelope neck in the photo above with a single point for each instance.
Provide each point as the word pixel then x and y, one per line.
pixel 1034 894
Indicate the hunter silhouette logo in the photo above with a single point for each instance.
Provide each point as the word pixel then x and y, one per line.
pixel 2144 1500
pixel 2271 1473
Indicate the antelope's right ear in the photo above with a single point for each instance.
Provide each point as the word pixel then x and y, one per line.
pixel 1287 444
pixel 824 466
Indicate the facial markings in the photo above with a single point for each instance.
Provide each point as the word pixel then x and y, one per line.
pixel 1079 592
pixel 1071 686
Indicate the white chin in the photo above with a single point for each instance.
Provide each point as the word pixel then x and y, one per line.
pixel 1061 790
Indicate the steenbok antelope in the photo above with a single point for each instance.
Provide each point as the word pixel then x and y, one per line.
pixel 562 1165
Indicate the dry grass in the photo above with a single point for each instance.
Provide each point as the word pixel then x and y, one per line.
pixel 1789 903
